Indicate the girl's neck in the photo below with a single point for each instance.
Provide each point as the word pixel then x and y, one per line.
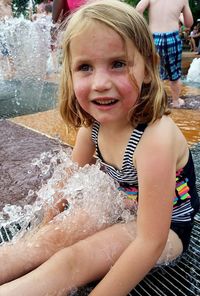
pixel 116 127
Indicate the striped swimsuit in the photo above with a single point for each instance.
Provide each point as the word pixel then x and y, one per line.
pixel 186 201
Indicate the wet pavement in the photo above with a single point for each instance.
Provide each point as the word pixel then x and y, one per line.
pixel 19 149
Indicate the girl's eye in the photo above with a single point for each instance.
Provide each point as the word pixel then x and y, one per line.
pixel 84 67
pixel 119 64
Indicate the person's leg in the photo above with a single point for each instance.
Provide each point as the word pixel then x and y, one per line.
pixel 170 68
pixel 36 247
pixel 84 262
pixel 193 44
pixel 173 66
pixel 175 87
pixel 86 214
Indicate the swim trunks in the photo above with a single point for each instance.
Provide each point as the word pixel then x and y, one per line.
pixel 169 48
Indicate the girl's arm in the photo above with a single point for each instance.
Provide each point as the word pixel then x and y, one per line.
pixel 84 149
pixel 83 153
pixel 156 166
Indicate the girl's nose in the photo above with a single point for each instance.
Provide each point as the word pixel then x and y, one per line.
pixel 101 81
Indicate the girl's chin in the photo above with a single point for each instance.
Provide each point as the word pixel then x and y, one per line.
pixel 104 120
pixel 108 118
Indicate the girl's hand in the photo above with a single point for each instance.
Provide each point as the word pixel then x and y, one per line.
pixel 57 207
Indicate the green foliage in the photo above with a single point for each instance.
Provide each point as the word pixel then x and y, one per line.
pixel 20 7
pixel 195 8
pixel 38 1
pixel 132 2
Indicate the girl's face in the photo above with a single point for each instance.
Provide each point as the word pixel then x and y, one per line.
pixel 100 73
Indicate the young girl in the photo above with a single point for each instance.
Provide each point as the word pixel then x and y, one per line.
pixel 111 89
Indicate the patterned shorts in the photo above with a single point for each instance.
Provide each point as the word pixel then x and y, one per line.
pixel 169 48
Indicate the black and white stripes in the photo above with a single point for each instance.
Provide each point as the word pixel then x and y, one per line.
pixel 128 173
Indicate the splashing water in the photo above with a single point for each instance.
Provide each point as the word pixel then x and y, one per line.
pixel 28 43
pixel 87 188
pixel 194 71
pixel 24 54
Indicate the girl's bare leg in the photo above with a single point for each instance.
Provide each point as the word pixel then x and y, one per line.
pixel 74 266
pixel 77 265
pixel 35 248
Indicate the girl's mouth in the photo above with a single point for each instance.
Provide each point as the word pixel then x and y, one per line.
pixel 105 102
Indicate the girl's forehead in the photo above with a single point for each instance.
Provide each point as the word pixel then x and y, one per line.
pixel 96 35
pixel 91 27
pixel 94 30
pixel 88 33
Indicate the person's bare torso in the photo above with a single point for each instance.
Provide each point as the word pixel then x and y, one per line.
pixel 164 15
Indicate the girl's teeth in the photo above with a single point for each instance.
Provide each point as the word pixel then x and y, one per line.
pixel 105 102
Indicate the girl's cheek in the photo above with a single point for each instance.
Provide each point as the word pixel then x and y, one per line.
pixel 125 83
pixel 128 89
pixel 79 90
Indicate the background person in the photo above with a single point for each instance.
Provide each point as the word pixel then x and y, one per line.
pixel 164 24
pixel 195 38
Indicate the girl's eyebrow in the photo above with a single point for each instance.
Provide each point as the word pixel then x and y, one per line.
pixel 81 59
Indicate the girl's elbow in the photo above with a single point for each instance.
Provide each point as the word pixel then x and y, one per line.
pixel 160 246
pixel 155 246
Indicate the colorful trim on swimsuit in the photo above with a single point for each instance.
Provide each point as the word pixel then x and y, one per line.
pixel 131 192
pixel 182 188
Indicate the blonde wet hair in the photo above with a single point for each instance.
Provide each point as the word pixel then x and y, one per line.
pixel 130 25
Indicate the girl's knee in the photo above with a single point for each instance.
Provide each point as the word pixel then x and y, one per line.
pixel 81 254
pixel 173 248
pixel 76 263
pixel 74 256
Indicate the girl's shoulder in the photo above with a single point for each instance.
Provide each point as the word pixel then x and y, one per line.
pixel 162 141
pixel 162 125
pixel 163 134
pixel 85 132
pixel 84 147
